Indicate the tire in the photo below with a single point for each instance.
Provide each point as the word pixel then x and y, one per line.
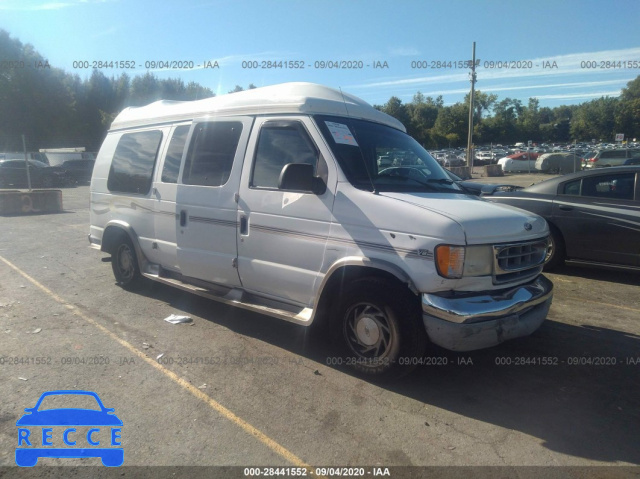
pixel 556 250
pixel 378 329
pixel 124 263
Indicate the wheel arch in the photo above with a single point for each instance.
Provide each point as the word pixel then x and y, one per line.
pixel 116 229
pixel 553 227
pixel 350 269
pixel 560 245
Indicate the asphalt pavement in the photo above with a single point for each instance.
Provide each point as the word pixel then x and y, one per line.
pixel 233 388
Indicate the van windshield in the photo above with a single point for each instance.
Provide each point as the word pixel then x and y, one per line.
pixel 381 158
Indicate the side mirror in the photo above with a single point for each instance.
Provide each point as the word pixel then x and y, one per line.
pixel 299 177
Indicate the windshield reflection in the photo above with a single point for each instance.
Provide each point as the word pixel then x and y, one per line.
pixel 377 157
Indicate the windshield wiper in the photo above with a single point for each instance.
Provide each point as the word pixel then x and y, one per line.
pixel 441 181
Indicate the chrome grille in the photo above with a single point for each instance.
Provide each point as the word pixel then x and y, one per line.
pixel 518 260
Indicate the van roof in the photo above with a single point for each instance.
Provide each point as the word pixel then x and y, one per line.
pixel 297 97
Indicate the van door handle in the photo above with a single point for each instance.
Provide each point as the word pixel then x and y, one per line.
pixel 566 207
pixel 183 218
pixel 244 225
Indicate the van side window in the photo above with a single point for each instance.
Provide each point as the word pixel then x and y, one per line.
pixel 211 152
pixel 174 155
pixel 133 161
pixel 280 143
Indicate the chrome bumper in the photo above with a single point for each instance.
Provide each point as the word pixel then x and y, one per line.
pixel 476 322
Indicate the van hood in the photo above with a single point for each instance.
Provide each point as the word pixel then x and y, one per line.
pixel 482 222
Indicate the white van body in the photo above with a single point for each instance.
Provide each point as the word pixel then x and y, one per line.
pixel 271 199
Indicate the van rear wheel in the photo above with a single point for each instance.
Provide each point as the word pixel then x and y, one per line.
pixel 124 263
pixel 378 329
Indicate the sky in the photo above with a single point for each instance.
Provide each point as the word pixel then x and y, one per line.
pixel 560 51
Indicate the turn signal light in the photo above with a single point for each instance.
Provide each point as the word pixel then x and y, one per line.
pixel 450 261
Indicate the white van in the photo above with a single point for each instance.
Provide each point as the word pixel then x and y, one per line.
pixel 272 199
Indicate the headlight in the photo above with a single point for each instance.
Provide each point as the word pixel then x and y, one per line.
pixel 454 262
pixel 478 261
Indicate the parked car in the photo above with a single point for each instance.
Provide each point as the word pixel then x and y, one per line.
pixel 453 162
pixel 478 189
pixel 484 157
pixel 449 160
pixel 309 228
pixel 593 215
pixel 559 163
pixel 78 164
pixel 519 162
pixel 612 157
pixel 78 171
pixel 19 155
pixel 499 153
pixel 13 173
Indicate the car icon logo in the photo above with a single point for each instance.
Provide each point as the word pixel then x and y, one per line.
pixel 69 432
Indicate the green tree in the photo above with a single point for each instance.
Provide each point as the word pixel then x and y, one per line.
pixel 422 115
pixel 594 119
pixel 144 89
pixel 396 109
pixel 239 88
pixel 483 102
pixel 627 112
pixel 53 108
pixel 529 121
pixel 453 124
pixel 196 91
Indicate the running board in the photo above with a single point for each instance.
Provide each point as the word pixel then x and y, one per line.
pixel 235 297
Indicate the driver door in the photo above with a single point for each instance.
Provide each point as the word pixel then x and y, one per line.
pixel 282 234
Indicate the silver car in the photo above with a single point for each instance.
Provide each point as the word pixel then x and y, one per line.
pixel 615 157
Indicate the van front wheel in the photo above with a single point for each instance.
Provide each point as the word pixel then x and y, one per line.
pixel 125 265
pixel 378 329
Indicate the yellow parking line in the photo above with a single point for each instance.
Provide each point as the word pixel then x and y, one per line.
pixel 263 438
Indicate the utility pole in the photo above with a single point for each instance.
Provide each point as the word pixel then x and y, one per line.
pixel 472 78
pixel 26 162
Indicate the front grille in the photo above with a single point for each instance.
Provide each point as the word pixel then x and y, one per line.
pixel 518 260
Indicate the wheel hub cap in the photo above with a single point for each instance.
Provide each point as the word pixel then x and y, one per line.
pixel 367 331
pixel 126 262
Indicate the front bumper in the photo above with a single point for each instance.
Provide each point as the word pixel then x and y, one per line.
pixel 481 321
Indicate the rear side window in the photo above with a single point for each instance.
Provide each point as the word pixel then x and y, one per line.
pixel 172 160
pixel 610 186
pixel 613 186
pixel 572 188
pixel 211 152
pixel 133 161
